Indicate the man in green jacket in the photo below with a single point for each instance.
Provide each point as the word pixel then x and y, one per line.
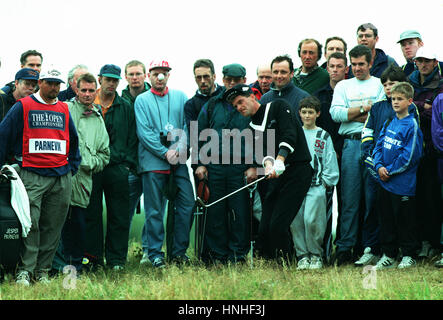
pixel 94 149
pixel 113 180
pixel 310 76
pixel 135 74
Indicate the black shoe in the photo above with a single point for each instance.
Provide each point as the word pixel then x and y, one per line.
pixel 180 260
pixel 159 263
pixel 344 257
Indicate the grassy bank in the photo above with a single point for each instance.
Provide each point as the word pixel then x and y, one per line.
pixel 265 281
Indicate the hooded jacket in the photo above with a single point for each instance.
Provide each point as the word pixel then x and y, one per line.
pixel 399 149
pixel 381 62
pixel 377 116
pixel 94 149
pixel 7 100
pixel 126 94
pixel 194 105
pixel 426 93
pixel 219 115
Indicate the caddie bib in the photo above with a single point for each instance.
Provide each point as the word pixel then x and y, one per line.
pixel 45 134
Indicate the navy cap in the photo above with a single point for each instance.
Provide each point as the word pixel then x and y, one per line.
pixel 234 70
pixel 27 74
pixel 110 71
pixel 240 89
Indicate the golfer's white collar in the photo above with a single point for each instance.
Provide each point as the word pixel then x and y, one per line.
pixel 265 118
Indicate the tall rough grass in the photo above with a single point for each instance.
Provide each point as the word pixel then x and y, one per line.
pixel 264 281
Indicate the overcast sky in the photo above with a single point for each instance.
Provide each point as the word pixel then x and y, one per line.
pixel 95 33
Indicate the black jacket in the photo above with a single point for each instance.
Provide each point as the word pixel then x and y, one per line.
pixel 194 105
pixel 7 100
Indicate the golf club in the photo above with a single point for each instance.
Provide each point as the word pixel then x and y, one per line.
pixel 202 203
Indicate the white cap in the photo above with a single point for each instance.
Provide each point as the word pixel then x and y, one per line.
pixel 425 52
pixel 51 74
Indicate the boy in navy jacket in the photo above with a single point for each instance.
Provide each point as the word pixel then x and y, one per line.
pixel 396 157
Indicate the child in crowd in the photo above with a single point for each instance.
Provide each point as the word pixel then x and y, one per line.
pixel 309 226
pixel 437 139
pixel 396 156
pixel 377 116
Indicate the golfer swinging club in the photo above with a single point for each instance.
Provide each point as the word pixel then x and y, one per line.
pixel 290 173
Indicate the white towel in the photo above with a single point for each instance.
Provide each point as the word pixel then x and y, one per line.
pixel 20 201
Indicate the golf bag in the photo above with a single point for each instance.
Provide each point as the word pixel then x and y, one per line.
pixel 10 229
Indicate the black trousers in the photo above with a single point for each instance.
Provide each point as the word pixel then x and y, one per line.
pixel 112 182
pixel 283 200
pixel 228 222
pixel 429 201
pixel 398 228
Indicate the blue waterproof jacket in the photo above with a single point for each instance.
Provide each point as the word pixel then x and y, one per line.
pixel 399 149
pixel 377 117
pixel 381 62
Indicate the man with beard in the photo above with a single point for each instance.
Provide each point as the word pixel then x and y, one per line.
pixel 204 75
pixel 40 133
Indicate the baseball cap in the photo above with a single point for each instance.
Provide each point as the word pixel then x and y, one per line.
pixel 425 52
pixel 110 71
pixel 52 75
pixel 409 34
pixel 240 89
pixel 234 70
pixel 27 74
pixel 159 64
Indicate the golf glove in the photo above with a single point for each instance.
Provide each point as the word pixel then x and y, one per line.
pixel 279 167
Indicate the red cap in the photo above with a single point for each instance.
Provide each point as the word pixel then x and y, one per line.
pixel 159 64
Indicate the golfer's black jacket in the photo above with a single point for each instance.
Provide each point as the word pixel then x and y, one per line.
pixel 289 142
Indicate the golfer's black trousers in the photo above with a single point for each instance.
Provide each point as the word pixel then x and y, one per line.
pixel 283 200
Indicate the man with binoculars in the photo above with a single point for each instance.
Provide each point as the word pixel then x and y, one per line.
pixel 162 151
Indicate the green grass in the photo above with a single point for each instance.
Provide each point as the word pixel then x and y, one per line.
pixel 265 281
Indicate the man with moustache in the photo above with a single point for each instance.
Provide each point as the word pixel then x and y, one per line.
pixel 40 133
pixel 113 180
pixel 204 75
